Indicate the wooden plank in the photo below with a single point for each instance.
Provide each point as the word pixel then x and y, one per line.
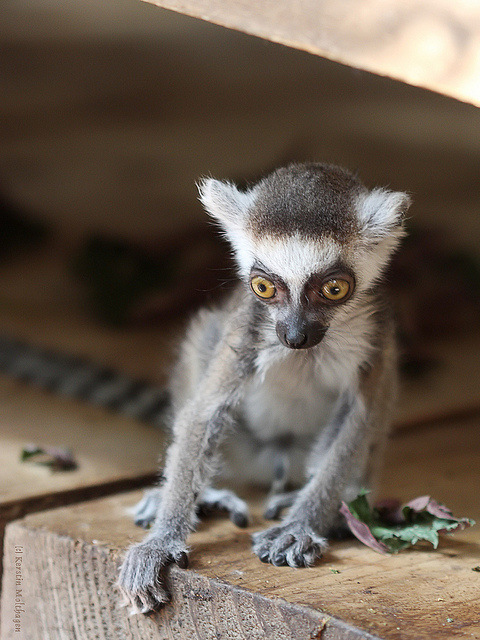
pixel 113 453
pixel 70 558
pixel 432 43
pixel 107 447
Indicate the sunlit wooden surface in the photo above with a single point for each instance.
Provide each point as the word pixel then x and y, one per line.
pixel 430 43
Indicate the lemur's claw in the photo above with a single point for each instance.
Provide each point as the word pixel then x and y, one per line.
pixel 292 543
pixel 142 575
pixel 182 561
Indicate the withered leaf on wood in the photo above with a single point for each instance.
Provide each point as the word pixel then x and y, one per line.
pixel 389 528
pixel 57 458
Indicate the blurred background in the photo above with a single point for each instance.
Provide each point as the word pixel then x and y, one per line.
pixel 109 113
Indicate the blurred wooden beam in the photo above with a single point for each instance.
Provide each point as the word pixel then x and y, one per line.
pixel 433 44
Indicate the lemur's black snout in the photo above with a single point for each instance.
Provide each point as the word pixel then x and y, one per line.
pixel 301 336
pixel 297 341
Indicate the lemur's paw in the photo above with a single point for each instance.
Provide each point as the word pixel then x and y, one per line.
pixel 145 511
pixel 142 575
pixel 225 500
pixel 292 543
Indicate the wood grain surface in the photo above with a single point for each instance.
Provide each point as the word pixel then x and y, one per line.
pixel 70 559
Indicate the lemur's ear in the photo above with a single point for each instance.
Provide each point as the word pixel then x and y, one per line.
pixel 224 202
pixel 381 212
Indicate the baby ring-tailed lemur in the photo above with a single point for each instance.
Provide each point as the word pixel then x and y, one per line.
pixel 297 368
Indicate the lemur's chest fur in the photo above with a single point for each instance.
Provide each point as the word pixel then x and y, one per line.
pixel 295 392
pixel 288 399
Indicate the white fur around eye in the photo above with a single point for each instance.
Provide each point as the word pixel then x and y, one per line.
pixel 292 258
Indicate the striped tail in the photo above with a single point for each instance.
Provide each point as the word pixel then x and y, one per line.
pixel 78 378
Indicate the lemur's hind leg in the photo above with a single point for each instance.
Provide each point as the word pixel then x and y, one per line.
pixel 145 511
pixel 278 498
pixel 276 503
pixel 224 500
pixel 210 500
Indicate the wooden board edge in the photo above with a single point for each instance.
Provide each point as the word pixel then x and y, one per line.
pixel 383 61
pixel 62 577
pixel 15 509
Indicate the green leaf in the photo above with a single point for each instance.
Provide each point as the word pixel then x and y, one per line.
pixel 422 519
pixel 360 508
pixel 30 451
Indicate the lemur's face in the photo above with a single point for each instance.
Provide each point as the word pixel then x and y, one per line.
pixel 302 285
pixel 308 239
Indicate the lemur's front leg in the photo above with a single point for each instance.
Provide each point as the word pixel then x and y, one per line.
pixel 301 537
pixel 191 462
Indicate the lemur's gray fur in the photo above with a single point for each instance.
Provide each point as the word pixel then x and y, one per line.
pixel 299 372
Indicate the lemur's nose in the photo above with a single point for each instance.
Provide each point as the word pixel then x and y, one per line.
pixel 300 334
pixel 296 340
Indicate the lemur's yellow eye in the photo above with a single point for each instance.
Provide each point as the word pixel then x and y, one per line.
pixel 335 289
pixel 262 287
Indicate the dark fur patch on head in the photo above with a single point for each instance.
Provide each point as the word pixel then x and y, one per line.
pixel 307 199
